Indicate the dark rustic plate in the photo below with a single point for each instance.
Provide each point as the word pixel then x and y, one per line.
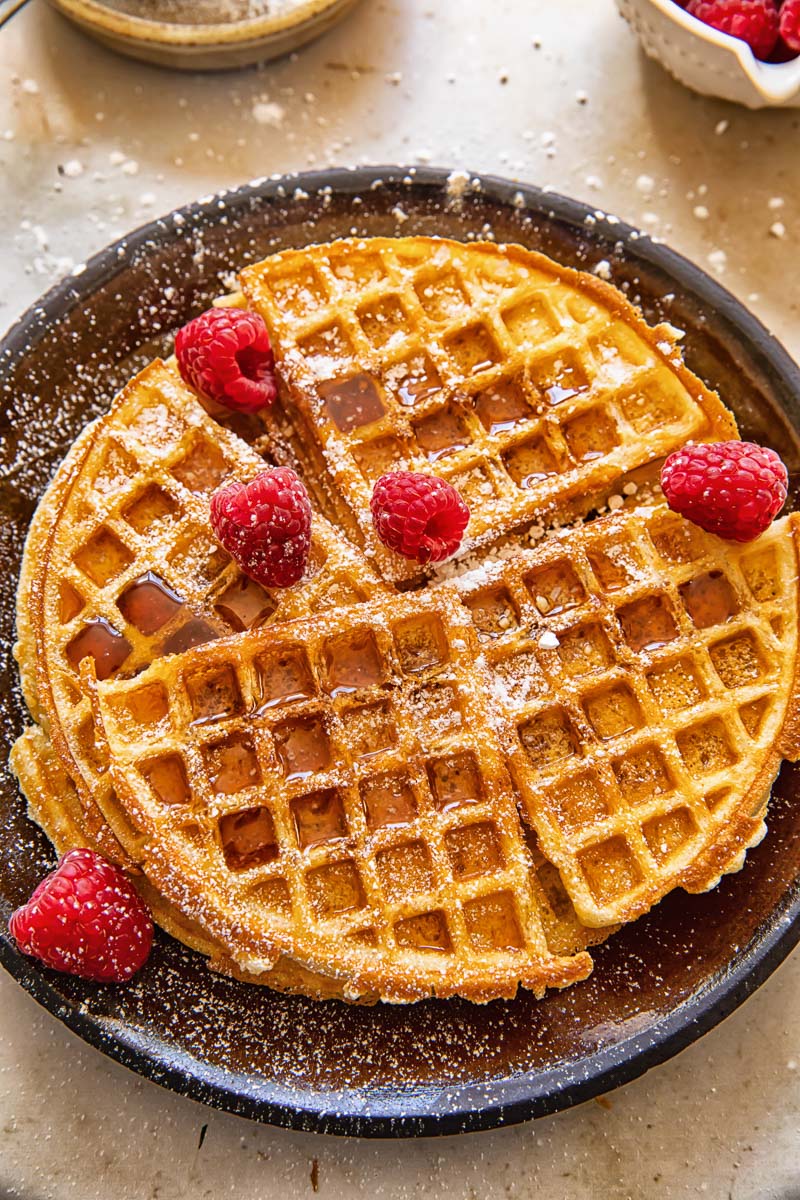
pixel 437 1067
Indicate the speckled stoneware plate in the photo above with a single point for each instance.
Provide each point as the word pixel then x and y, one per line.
pixel 436 1067
pixel 204 35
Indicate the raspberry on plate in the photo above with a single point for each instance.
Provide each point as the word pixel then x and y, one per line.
pixel 85 918
pixel 265 525
pixel 732 489
pixel 790 24
pixel 419 516
pixel 225 354
pixel 753 21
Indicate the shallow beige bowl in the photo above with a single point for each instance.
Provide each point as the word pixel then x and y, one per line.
pixel 203 46
pixel 708 61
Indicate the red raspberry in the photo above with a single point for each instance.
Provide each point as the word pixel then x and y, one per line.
pixel 420 516
pixel 733 489
pixel 753 21
pixel 266 526
pixel 790 24
pixel 225 354
pixel 85 918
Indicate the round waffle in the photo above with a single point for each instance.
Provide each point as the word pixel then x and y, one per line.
pixel 343 791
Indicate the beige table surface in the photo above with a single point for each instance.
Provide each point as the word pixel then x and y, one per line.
pixel 92 145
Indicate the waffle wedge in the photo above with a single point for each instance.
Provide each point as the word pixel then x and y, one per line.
pixel 121 563
pixel 645 678
pixel 332 791
pixel 54 804
pixel 531 387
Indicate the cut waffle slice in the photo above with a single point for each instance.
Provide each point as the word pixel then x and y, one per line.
pixel 130 569
pixel 530 387
pixel 645 677
pixel 54 805
pixel 331 790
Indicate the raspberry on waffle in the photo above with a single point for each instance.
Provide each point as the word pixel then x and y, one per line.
pixel 265 525
pixel 85 918
pixel 733 489
pixel 225 354
pixel 419 516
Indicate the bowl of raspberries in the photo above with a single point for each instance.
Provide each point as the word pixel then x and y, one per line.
pixel 747 51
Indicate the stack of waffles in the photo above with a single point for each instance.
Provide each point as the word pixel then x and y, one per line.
pixel 386 783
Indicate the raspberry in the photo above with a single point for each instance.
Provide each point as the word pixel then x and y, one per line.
pixel 753 21
pixel 225 354
pixel 85 918
pixel 419 516
pixel 790 24
pixel 266 526
pixel 733 489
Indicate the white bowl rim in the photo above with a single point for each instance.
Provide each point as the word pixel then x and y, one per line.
pixel 776 81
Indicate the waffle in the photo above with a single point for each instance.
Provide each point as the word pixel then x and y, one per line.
pixel 530 387
pixel 645 681
pixel 347 791
pixel 54 804
pixel 121 563
pixel 332 791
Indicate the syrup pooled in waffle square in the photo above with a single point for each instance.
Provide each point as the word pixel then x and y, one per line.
pixel 644 674
pixel 529 386
pixel 331 790
pixel 122 565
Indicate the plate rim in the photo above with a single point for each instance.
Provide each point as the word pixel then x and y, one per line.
pixel 464 1107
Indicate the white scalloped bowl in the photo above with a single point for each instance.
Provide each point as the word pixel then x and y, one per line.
pixel 708 61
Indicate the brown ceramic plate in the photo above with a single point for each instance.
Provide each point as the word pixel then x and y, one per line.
pixel 436 1067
